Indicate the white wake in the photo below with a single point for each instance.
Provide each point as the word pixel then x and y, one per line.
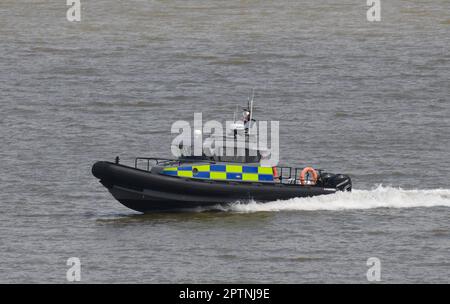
pixel 380 197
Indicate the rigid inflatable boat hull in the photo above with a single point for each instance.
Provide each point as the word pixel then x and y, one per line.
pixel 144 191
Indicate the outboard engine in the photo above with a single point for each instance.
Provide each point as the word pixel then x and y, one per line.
pixel 340 182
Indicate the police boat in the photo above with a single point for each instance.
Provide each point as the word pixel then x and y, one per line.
pixel 211 180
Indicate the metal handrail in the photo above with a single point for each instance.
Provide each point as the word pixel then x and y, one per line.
pixel 165 161
pixel 285 175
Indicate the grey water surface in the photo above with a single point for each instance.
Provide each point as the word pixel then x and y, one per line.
pixel 370 99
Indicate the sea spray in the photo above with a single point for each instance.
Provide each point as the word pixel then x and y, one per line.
pixel 379 197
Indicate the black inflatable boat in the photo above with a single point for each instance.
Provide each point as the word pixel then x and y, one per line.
pixel 155 184
pixel 170 185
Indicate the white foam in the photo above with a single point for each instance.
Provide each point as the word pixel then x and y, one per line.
pixel 380 197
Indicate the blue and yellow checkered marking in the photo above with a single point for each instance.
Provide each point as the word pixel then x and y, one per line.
pixel 223 172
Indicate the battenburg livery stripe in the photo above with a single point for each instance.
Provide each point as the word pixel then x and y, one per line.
pixel 222 172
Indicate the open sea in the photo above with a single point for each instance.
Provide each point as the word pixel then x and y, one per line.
pixel 370 99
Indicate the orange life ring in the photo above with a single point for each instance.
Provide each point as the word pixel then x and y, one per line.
pixel 275 173
pixel 308 170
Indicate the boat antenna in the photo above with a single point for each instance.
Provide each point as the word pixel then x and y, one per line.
pixel 251 105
